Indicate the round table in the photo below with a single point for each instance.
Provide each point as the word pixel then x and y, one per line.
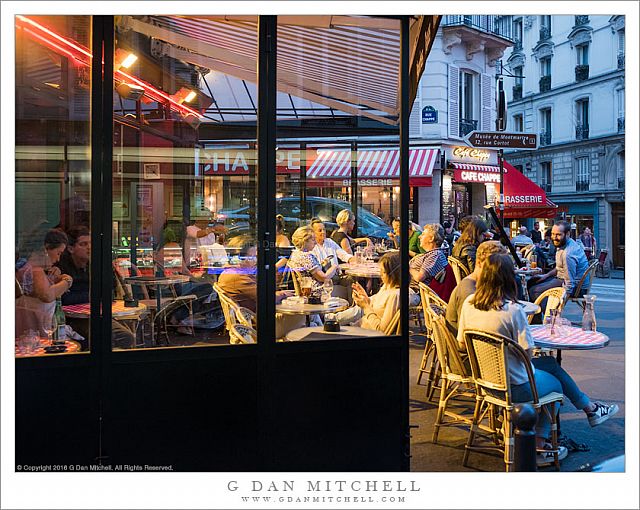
pixel 362 270
pixel 568 338
pixel 286 308
pixel 158 281
pixel 529 307
pixel 118 310
pixel 301 333
pixel 23 351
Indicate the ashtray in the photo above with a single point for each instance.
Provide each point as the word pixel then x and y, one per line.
pixel 53 349
pixel 130 303
pixel 332 326
pixel 314 300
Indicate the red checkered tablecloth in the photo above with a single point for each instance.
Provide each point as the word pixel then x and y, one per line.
pixel 568 337
pixel 23 351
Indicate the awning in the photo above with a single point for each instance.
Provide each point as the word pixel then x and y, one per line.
pixel 523 197
pixel 375 164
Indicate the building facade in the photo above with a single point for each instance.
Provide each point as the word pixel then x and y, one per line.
pixel 456 96
pixel 569 88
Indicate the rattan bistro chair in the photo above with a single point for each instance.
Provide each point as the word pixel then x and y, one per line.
pixel 234 313
pixel 488 354
pixel 459 269
pixel 429 361
pixel 394 327
pixel 241 334
pixel 555 300
pixel 581 290
pixel 455 376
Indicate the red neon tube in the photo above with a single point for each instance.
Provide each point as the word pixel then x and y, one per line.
pixel 58 43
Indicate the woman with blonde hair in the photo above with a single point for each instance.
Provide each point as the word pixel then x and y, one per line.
pixel 346 220
pixel 305 262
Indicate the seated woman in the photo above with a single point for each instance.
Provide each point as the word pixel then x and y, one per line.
pixel 493 307
pixel 305 262
pixel 346 220
pixel 465 247
pixel 377 311
pixel 431 266
pixel 40 281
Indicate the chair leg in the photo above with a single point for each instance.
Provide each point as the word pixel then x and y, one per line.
pixel 425 356
pixel 434 374
pixel 508 441
pixel 472 431
pixel 442 404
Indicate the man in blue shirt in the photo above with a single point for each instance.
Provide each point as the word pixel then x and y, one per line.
pixel 571 264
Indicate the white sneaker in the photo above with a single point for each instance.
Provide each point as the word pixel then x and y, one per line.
pixel 602 413
pixel 545 457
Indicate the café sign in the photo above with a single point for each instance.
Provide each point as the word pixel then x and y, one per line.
pixel 476 176
pixel 470 153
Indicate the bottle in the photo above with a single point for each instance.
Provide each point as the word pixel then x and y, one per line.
pixel 589 313
pixel 60 331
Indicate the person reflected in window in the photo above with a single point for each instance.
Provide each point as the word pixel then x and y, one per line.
pixel 305 262
pixel 330 254
pixel 346 221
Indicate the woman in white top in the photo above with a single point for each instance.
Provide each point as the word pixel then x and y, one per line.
pixel 304 261
pixel 494 309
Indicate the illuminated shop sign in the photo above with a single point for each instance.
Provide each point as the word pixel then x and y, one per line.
pixel 475 156
pixel 370 182
pixel 238 161
pixel 475 176
pixel 478 155
pixel 523 199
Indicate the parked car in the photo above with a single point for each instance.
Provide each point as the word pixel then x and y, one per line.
pixel 369 225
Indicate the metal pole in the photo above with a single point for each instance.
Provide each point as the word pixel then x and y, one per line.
pixel 500 162
pixel 524 455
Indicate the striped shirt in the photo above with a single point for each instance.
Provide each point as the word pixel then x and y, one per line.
pixel 431 263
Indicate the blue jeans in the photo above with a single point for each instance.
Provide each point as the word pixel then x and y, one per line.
pixel 549 376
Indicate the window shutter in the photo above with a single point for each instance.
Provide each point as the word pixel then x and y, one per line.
pixel 486 102
pixel 415 119
pixel 454 112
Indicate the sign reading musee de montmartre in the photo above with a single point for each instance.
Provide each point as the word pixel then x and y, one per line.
pixel 502 140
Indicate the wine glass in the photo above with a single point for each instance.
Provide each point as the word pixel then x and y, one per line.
pixel 48 326
pixel 327 290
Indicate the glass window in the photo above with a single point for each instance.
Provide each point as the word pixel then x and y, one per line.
pixel 582 52
pixel 545 176
pixel 333 230
pixel 468 95
pixel 518 124
pixel 518 73
pixel 184 190
pixel 545 66
pixel 52 184
pixel 583 175
pixel 582 113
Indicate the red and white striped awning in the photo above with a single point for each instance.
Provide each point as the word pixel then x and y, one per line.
pixel 379 164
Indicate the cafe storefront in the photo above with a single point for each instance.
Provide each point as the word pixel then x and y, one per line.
pixel 155 141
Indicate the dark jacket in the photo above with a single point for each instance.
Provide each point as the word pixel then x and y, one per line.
pixel 465 254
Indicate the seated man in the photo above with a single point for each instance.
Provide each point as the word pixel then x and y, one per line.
pixel 467 286
pixel 571 264
pixel 329 254
pixel 75 262
pixel 522 237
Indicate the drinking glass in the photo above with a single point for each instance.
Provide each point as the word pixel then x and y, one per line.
pixel 327 290
pixel 49 326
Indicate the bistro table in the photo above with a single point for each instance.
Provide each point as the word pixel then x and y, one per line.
pixel 366 270
pixel 333 306
pixel 118 310
pixel 318 333
pixel 25 351
pixel 158 281
pixel 524 274
pixel 529 307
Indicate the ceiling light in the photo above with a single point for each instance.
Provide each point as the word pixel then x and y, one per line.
pixel 130 91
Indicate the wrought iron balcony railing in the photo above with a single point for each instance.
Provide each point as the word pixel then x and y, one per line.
pixel 546 187
pixel 582 72
pixel 467 125
pixel 621 60
pixel 545 33
pixel 517 45
pixel 545 138
pixel 581 20
pixel 620 182
pixel 495 25
pixel 582 185
pixel 620 124
pixel 582 132
pixel 545 83
pixel 517 92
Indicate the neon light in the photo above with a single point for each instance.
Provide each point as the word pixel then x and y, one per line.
pixel 153 92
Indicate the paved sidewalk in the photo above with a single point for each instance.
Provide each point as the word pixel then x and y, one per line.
pixel 600 374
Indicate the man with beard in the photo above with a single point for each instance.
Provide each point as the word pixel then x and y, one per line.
pixel 571 264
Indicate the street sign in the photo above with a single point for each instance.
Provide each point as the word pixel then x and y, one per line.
pixel 429 115
pixel 502 140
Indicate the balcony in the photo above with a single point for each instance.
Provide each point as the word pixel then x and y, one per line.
pixel 481 22
pixel 620 124
pixel 517 92
pixel 546 187
pixel 545 83
pixel 582 185
pixel 620 182
pixel 582 73
pixel 581 20
pixel 545 138
pixel 467 125
pixel 582 132
pixel 545 33
pixel 621 60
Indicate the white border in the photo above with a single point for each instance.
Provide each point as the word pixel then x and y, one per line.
pixel 208 490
